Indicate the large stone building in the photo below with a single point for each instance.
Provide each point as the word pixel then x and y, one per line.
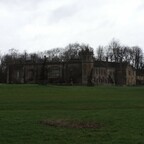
pixel 83 71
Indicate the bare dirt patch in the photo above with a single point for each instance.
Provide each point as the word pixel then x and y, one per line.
pixel 71 124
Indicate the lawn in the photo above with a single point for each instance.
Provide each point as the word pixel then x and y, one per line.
pixel 35 114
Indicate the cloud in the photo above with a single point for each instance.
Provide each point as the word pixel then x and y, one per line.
pixel 63 12
pixel 43 24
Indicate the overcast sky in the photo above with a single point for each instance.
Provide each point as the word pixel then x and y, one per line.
pixel 37 25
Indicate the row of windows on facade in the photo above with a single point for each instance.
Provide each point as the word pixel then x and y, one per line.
pixel 103 72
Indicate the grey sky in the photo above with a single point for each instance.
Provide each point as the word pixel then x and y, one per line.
pixel 37 25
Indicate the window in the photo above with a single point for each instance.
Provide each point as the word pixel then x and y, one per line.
pixel 54 72
pixel 129 72
pixel 18 74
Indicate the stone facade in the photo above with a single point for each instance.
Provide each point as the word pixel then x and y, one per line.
pixel 114 73
pixel 79 71
pixel 140 77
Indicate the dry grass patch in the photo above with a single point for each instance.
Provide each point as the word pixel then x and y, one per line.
pixel 71 124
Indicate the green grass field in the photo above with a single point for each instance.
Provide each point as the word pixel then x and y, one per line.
pixel 118 111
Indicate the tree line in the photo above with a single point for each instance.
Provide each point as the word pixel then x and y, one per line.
pixel 113 52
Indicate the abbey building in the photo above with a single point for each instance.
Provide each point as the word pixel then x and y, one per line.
pixel 83 71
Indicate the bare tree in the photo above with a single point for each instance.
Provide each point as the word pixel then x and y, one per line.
pixel 71 51
pixel 100 53
pixel 115 50
pixel 53 54
pixel 137 57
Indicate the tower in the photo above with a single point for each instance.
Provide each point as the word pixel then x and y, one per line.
pixel 87 65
